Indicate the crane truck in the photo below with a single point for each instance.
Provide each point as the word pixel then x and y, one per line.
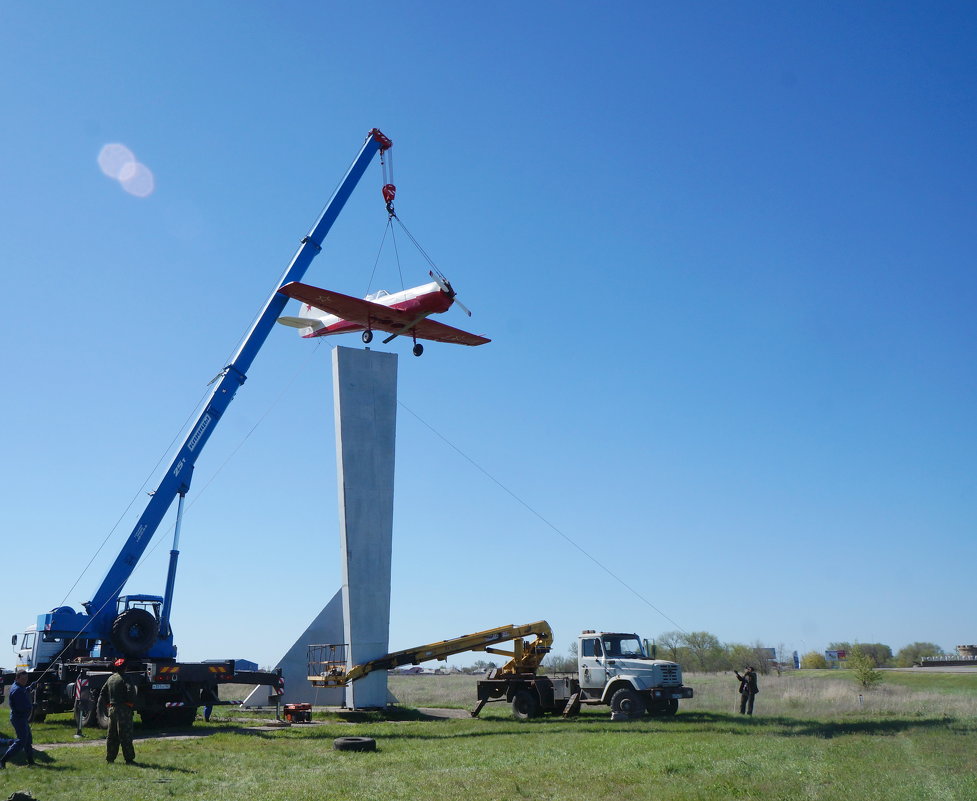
pixel 69 654
pixel 614 669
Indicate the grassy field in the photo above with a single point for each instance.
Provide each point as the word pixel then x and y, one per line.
pixel 813 738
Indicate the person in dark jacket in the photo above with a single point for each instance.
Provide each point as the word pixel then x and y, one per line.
pixel 121 699
pixel 748 690
pixel 21 706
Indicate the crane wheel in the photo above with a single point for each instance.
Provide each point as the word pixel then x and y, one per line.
pixel 525 705
pixel 102 713
pixel 354 744
pixel 134 632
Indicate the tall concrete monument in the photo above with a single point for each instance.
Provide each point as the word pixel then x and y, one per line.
pixel 365 392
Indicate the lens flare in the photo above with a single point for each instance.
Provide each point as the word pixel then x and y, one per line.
pixel 114 158
pixel 119 163
pixel 137 179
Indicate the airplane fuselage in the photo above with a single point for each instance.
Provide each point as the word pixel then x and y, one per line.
pixel 419 301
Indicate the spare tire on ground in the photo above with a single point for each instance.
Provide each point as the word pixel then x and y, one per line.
pixel 354 744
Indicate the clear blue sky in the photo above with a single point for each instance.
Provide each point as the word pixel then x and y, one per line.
pixel 725 252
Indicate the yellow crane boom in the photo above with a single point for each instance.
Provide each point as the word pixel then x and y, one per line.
pixel 328 665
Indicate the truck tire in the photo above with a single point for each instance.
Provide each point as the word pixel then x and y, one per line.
pixel 180 717
pixel 663 709
pixel 354 744
pixel 134 632
pixel 88 715
pixel 627 702
pixel 525 705
pixel 151 718
pixel 102 713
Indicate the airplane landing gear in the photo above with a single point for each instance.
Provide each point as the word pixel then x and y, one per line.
pixel 418 349
pixel 367 336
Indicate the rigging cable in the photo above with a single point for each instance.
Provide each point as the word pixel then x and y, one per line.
pixel 530 509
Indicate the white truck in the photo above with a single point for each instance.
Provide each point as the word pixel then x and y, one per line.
pixel 614 669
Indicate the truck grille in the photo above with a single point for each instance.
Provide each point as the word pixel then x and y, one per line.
pixel 671 675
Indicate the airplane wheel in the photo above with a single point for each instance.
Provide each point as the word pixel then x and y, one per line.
pixel 367 337
pixel 418 349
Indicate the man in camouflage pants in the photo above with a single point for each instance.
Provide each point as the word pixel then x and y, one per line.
pixel 120 697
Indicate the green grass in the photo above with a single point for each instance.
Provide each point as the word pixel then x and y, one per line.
pixel 812 739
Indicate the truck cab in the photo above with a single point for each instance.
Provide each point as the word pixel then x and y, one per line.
pixel 32 651
pixel 617 669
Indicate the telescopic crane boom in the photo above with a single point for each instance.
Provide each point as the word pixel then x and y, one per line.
pixel 328 668
pixel 98 621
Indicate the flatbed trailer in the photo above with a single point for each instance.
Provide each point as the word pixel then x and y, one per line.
pixel 168 693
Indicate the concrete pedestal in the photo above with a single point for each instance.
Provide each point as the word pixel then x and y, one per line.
pixel 365 391
pixel 326 628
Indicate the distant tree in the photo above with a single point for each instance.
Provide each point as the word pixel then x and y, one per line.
pixel 669 644
pixel 863 665
pixel 881 654
pixel 915 652
pixel 812 660
pixel 706 651
pixel 737 656
pixel 555 663
pixel 762 660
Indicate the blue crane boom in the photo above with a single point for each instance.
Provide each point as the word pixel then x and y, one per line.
pixel 100 611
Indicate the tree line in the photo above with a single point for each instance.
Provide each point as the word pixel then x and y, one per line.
pixel 703 652
pixel 880 654
pixel 695 650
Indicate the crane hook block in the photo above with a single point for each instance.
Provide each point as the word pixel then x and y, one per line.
pixel 385 143
pixel 389 190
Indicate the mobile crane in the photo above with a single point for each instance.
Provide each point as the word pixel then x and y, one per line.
pixel 328 665
pixel 614 669
pixel 69 653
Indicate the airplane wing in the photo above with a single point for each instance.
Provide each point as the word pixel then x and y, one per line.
pixel 355 310
pixel 439 332
pixel 377 316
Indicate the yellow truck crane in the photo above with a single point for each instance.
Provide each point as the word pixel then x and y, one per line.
pixel 614 669
pixel 328 665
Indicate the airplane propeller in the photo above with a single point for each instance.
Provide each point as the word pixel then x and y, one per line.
pixel 448 290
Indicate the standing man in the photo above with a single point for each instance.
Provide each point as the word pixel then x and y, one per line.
pixel 121 699
pixel 748 690
pixel 21 706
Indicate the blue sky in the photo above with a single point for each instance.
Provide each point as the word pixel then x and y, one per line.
pixel 725 253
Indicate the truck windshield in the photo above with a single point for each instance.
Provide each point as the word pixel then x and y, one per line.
pixel 622 645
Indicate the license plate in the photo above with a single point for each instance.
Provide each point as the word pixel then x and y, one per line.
pixel 161 686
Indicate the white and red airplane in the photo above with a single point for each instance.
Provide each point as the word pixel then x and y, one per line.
pixel 405 313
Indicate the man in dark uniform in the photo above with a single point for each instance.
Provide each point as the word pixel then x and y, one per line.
pixel 21 705
pixel 748 690
pixel 121 699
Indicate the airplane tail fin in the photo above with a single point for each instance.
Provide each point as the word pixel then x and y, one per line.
pixel 309 322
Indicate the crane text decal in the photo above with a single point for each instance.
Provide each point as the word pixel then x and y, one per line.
pixel 199 432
